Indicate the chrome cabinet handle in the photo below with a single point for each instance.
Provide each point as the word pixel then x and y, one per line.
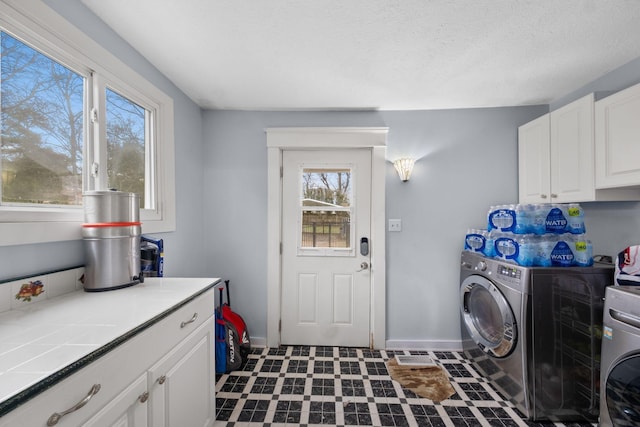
pixel 56 416
pixel 193 319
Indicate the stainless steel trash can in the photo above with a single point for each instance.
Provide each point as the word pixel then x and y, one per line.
pixel 111 235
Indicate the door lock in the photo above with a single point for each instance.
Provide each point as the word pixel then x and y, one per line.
pixel 363 266
pixel 364 246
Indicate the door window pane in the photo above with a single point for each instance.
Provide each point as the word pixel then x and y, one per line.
pixel 326 208
pixel 126 144
pixel 42 128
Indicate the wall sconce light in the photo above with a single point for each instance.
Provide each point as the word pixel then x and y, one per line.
pixel 404 167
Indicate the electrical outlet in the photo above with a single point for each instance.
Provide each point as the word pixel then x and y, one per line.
pixel 395 225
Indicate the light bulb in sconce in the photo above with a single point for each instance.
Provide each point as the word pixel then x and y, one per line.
pixel 404 167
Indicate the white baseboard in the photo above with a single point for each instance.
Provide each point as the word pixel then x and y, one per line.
pixel 423 345
pixel 261 342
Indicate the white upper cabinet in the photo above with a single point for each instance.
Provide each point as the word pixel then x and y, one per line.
pixel 571 152
pixel 557 156
pixel 533 161
pixel 618 139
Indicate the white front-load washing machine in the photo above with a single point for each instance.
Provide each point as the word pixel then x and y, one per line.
pixel 534 333
pixel 620 380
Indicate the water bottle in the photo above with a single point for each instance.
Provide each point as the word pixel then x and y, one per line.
pixel 562 254
pixel 582 251
pixel 502 218
pixel 575 219
pixel 506 247
pixel 537 218
pixel 523 219
pixel 556 221
pixel 474 241
pixel 489 248
pixel 545 245
pixel 489 212
pixel 526 251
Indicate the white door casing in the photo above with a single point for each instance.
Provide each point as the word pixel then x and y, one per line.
pixel 280 139
pixel 326 280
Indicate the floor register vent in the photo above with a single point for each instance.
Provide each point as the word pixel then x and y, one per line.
pixel 410 360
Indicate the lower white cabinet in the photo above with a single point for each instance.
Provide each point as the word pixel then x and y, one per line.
pixel 127 409
pixel 163 376
pixel 180 392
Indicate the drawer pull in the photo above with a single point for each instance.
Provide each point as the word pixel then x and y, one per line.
pixel 162 379
pixel 193 319
pixel 143 397
pixel 56 416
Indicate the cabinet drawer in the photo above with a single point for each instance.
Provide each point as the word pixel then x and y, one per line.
pixel 178 325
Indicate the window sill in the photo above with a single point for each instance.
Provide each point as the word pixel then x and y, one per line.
pixel 34 232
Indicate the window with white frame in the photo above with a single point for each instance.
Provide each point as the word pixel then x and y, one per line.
pixel 68 126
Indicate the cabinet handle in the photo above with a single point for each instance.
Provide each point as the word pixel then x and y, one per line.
pixel 554 196
pixel 143 397
pixel 162 379
pixel 543 196
pixel 193 319
pixel 56 416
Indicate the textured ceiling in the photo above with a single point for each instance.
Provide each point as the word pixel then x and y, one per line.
pixel 377 54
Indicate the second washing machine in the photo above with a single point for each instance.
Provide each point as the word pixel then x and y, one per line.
pixel 535 334
pixel 620 382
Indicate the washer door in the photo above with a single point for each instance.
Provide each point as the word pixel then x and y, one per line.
pixel 623 392
pixel 488 316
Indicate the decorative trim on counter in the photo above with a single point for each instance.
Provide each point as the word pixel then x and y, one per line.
pixel 22 397
pixel 30 276
pixel 21 291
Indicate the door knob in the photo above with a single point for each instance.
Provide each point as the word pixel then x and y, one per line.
pixel 363 266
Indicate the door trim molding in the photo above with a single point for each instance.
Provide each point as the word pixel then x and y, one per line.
pixel 280 139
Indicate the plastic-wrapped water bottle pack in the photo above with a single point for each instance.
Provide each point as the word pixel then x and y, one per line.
pixel 551 235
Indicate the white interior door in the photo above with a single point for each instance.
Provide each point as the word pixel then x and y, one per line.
pixel 326 223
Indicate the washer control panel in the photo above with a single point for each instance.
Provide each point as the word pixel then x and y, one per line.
pixel 509 272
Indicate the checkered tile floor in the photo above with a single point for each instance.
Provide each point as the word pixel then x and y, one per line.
pixel 347 386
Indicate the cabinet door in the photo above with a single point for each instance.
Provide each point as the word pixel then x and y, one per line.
pixel 572 152
pixel 618 139
pixel 128 409
pixel 182 383
pixel 533 161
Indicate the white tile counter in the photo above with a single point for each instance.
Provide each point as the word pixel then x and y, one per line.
pixel 42 343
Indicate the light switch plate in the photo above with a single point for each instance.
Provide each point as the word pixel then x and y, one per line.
pixel 395 225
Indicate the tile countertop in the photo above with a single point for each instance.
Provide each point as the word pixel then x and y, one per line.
pixel 40 342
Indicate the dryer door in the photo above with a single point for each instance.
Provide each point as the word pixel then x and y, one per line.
pixel 623 392
pixel 488 316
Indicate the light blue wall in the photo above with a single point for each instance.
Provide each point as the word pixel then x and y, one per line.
pixel 184 248
pixel 468 162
